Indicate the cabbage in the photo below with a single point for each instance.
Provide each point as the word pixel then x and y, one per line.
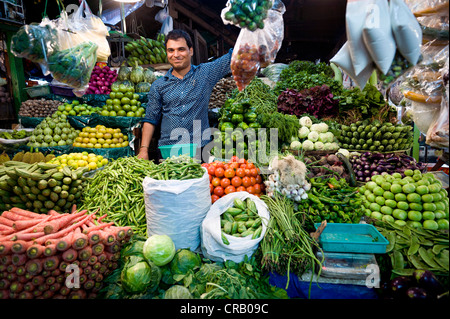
pixel 177 292
pixel 344 152
pixel 330 137
pixel 308 145
pixel 303 132
pixel 323 137
pixel 159 249
pixel 296 145
pixel 323 127
pixel 318 146
pixel 313 136
pixel 315 127
pixel 305 121
pixel 327 146
pixel 184 261
pixel 138 275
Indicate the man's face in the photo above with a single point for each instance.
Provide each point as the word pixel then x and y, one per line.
pixel 178 54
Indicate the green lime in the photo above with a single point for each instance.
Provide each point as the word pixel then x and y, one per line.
pixel 389 178
pixel 409 179
pixel 429 206
pixel 388 195
pixel 376 215
pixel 415 206
pixel 378 191
pixel 403 205
pixel 380 200
pixel 439 214
pixel 374 207
pixel 428 215
pixel 431 224
pixel 386 186
pixel 379 180
pixel 444 192
pixel 417 177
pixel 386 210
pixel 409 188
pixel 390 203
pixel 364 191
pixel 388 219
pixel 413 198
pixel 423 182
pixel 400 222
pixel 366 203
pixel 427 198
pixel 422 190
pixel 442 224
pixel 415 215
pixel 371 185
pixel 399 214
pixel 400 197
pixel 402 181
pixel 396 188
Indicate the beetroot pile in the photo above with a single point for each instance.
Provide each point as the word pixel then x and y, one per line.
pixel 56 255
pixel 101 80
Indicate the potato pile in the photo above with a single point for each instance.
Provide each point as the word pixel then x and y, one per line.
pixel 221 91
pixel 39 107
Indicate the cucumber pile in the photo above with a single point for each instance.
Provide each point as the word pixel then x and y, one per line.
pixel 417 200
pixel 241 220
pixel 40 186
pixel 376 136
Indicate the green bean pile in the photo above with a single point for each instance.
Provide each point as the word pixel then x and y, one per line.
pixel 261 96
pixel 117 191
pixel 177 168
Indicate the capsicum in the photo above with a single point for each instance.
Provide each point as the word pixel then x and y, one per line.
pixel 237 118
pixel 226 125
pixel 250 117
pixel 237 108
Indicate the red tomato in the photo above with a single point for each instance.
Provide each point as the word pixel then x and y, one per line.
pixel 226 166
pixel 251 189
pixel 246 181
pixel 241 161
pixel 219 164
pixel 229 173
pixel 240 172
pixel 247 172
pixel 258 179
pixel 241 189
pixel 230 189
pixel 218 191
pixel 234 158
pixel 236 181
pixel 263 187
pixel 252 180
pixel 243 166
pixel 211 188
pixel 253 172
pixel 210 178
pixel 205 165
pixel 250 165
pixel 224 182
pixel 214 197
pixel 219 172
pixel 212 170
pixel 234 165
pixel 257 188
pixel 215 181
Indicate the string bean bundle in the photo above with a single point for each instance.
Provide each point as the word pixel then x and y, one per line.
pixel 177 168
pixel 117 191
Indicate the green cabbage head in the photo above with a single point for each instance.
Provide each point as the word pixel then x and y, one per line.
pixel 159 249
pixel 177 292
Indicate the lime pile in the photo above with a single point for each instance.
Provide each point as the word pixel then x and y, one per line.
pixel 417 199
pixel 123 101
pixel 84 159
pixel 100 136
pixel 75 109
pixel 53 131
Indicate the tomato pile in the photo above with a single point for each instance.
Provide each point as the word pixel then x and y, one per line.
pixel 244 65
pixel 237 175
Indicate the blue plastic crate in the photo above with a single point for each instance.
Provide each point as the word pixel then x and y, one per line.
pixel 352 238
pixel 178 149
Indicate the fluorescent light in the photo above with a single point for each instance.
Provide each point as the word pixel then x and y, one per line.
pixel 127 1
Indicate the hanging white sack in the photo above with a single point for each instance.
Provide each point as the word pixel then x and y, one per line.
pixel 344 61
pixel 177 208
pixel 377 35
pixel 355 17
pixel 407 31
pixel 212 244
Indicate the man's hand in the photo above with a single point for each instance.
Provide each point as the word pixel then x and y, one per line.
pixel 143 153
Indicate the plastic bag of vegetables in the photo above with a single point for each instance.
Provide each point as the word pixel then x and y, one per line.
pixel 217 248
pixel 257 49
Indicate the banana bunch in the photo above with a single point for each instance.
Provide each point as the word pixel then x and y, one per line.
pixel 146 51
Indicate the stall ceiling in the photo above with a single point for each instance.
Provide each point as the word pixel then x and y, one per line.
pixel 314 29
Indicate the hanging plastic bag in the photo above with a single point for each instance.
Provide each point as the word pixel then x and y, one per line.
pixel 164 17
pixel 257 49
pixel 177 208
pixel 377 35
pixel 344 60
pixel 82 26
pixel 355 17
pixel 406 30
pixel 246 14
pixel 212 244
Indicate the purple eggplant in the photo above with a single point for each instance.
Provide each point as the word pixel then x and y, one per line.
pixel 417 293
pixel 428 281
pixel 399 285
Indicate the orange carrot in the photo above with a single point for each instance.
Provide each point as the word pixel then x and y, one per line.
pixel 25 223
pixel 80 240
pixel 27 236
pixel 74 208
pixel 61 221
pixel 69 255
pixel 35 251
pixel 97 249
pixel 50 263
pixel 5 247
pixel 19 259
pixel 50 250
pixel 26 213
pixel 13 216
pixel 85 253
pixel 65 242
pixel 34 267
pixel 94 227
pixel 20 246
pixel 6 221
pixel 77 223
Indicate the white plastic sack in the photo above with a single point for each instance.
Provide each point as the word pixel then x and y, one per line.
pixel 407 31
pixel 355 17
pixel 211 233
pixel 164 17
pixel 177 209
pixel 377 35
pixel 344 61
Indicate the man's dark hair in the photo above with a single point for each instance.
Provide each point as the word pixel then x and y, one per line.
pixel 177 34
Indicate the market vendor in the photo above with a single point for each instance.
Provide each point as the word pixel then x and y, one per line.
pixel 178 101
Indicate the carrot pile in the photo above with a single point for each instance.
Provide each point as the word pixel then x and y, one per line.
pixel 36 251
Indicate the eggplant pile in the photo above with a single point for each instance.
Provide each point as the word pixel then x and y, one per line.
pixel 376 136
pixel 369 164
pixel 423 284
